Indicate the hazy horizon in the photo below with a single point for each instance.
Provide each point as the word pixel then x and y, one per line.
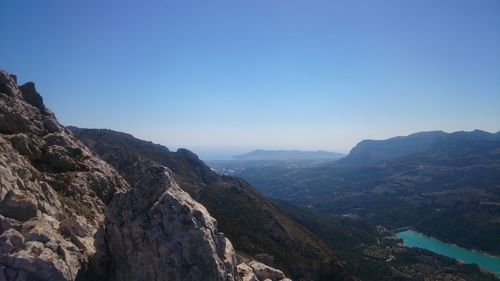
pixel 233 76
pixel 228 152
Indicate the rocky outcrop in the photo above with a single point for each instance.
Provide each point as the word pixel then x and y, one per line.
pixel 53 191
pixel 157 232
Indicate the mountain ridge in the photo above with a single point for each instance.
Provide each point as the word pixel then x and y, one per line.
pixel 371 151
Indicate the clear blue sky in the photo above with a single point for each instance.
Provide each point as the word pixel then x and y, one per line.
pixel 235 75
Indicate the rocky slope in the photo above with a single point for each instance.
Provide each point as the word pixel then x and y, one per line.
pixel 53 191
pixel 254 224
pixel 67 215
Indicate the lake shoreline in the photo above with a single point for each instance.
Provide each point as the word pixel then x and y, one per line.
pixel 411 228
pixel 414 239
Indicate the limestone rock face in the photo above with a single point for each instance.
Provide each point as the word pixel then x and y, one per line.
pixel 53 190
pixel 157 231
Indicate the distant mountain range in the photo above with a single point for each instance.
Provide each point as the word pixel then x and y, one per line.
pixel 446 185
pixel 373 151
pixel 284 155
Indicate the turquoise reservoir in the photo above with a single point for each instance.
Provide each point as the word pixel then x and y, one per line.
pixel 414 239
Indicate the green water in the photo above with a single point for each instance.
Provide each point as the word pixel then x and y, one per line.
pixel 414 239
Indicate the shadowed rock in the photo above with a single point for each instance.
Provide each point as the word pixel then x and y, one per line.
pixel 31 96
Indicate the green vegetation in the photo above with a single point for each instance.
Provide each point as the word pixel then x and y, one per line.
pixel 75 205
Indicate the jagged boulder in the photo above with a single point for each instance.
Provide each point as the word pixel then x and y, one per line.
pixel 19 206
pixel 257 271
pixel 245 273
pixel 157 231
pixel 31 96
pixel 264 272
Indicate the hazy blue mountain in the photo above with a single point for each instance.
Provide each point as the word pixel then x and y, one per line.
pixel 373 151
pixel 284 155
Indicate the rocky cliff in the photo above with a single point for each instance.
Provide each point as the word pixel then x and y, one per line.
pixel 53 191
pixel 67 215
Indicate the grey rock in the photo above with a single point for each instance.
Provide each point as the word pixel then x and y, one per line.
pixel 76 225
pixel 26 146
pixel 53 191
pixel 246 273
pixel 157 231
pixel 39 262
pixel 264 272
pixel 257 271
pixel 7 223
pixel 41 229
pixel 31 96
pixel 10 240
pixel 8 84
pixel 18 205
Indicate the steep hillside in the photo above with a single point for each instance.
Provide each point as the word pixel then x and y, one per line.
pixel 254 224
